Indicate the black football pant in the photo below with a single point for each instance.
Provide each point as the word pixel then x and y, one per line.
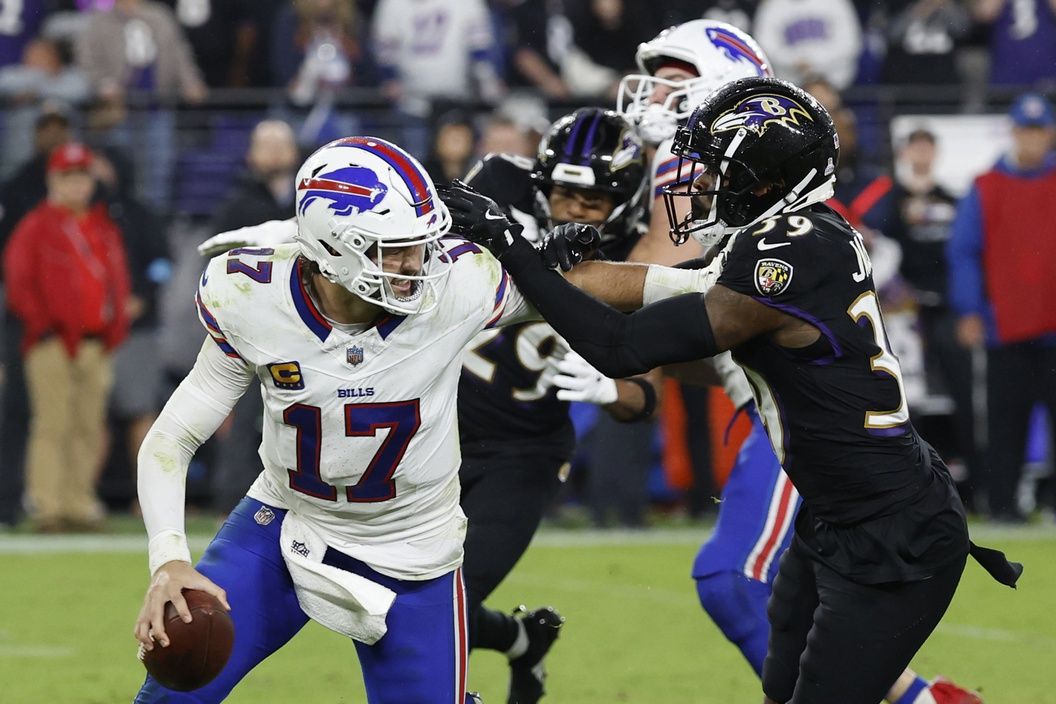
pixel 1017 377
pixel 504 497
pixel 833 640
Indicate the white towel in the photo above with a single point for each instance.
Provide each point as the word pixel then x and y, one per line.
pixel 342 601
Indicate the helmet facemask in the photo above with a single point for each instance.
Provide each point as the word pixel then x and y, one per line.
pixel 728 195
pixel 710 53
pixel 625 211
pixel 654 121
pixel 592 151
pixel 359 199
pixel 354 259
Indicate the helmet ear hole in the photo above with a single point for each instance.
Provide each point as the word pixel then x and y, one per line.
pixel 333 252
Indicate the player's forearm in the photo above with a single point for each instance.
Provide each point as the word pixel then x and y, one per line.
pixel 162 473
pixel 193 413
pixel 637 398
pixel 618 284
pixel 615 344
pixel 656 245
pixel 628 287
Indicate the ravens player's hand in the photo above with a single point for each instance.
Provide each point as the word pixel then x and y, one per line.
pixel 568 244
pixel 478 218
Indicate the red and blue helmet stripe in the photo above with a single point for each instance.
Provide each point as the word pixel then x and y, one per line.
pixel 737 49
pixel 413 177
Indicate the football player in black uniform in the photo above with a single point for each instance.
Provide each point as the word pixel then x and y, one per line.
pixel 881 540
pixel 516 436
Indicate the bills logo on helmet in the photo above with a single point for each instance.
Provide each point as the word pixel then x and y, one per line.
pixel 759 112
pixel 736 48
pixel 349 189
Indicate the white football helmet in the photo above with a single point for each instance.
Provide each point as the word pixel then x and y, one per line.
pixel 357 197
pixel 718 52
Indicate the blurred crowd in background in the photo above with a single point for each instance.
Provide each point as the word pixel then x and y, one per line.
pixel 165 121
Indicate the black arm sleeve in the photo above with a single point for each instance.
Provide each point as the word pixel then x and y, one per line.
pixel 617 345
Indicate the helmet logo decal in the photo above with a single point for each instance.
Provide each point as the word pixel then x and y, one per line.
pixel 628 151
pixel 760 111
pixel 350 189
pixel 735 48
pixel 413 177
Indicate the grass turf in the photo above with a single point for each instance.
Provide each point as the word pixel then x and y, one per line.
pixel 635 631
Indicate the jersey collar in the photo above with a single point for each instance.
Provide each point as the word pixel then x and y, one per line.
pixel 306 309
pixel 316 322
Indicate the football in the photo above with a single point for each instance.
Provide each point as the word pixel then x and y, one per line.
pixel 198 650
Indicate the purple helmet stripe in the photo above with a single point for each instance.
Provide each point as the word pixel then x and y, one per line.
pixel 588 141
pixel 572 136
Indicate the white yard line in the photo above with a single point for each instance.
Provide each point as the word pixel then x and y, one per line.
pixel 39 652
pixel 964 630
pixel 548 537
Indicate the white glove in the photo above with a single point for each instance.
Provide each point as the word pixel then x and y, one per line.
pixel 578 381
pixel 266 234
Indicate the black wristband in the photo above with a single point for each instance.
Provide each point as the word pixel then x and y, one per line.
pixel 650 399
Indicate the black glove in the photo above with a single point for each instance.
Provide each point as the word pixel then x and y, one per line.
pixel 478 218
pixel 568 244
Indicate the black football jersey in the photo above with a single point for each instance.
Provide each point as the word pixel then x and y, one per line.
pixel 505 394
pixel 835 410
pixel 507 180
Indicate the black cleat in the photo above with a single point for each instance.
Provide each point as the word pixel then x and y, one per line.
pixel 527 672
pixel 473 698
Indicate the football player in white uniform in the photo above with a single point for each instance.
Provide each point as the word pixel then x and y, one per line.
pixel 356 334
pixel 680 67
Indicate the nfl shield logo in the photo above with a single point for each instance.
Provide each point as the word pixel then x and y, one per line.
pixel 264 516
pixel 354 355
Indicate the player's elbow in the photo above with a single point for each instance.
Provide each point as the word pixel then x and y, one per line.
pixel 160 455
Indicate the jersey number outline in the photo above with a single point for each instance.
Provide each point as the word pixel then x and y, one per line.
pixel 799 226
pixel 261 273
pixel 402 418
pixel 866 306
pixel 529 345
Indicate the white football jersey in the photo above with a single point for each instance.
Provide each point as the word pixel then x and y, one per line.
pixel 360 429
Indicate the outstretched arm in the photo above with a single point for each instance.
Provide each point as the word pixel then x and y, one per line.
pixel 618 284
pixel 678 329
pixel 626 286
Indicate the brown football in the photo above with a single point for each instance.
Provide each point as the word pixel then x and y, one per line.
pixel 198 650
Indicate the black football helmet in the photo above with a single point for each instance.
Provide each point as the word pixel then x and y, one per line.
pixel 756 148
pixel 595 150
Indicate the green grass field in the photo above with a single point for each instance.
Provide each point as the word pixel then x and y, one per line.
pixel 635 632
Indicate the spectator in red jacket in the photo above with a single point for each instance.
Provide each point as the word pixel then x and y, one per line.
pixel 68 282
